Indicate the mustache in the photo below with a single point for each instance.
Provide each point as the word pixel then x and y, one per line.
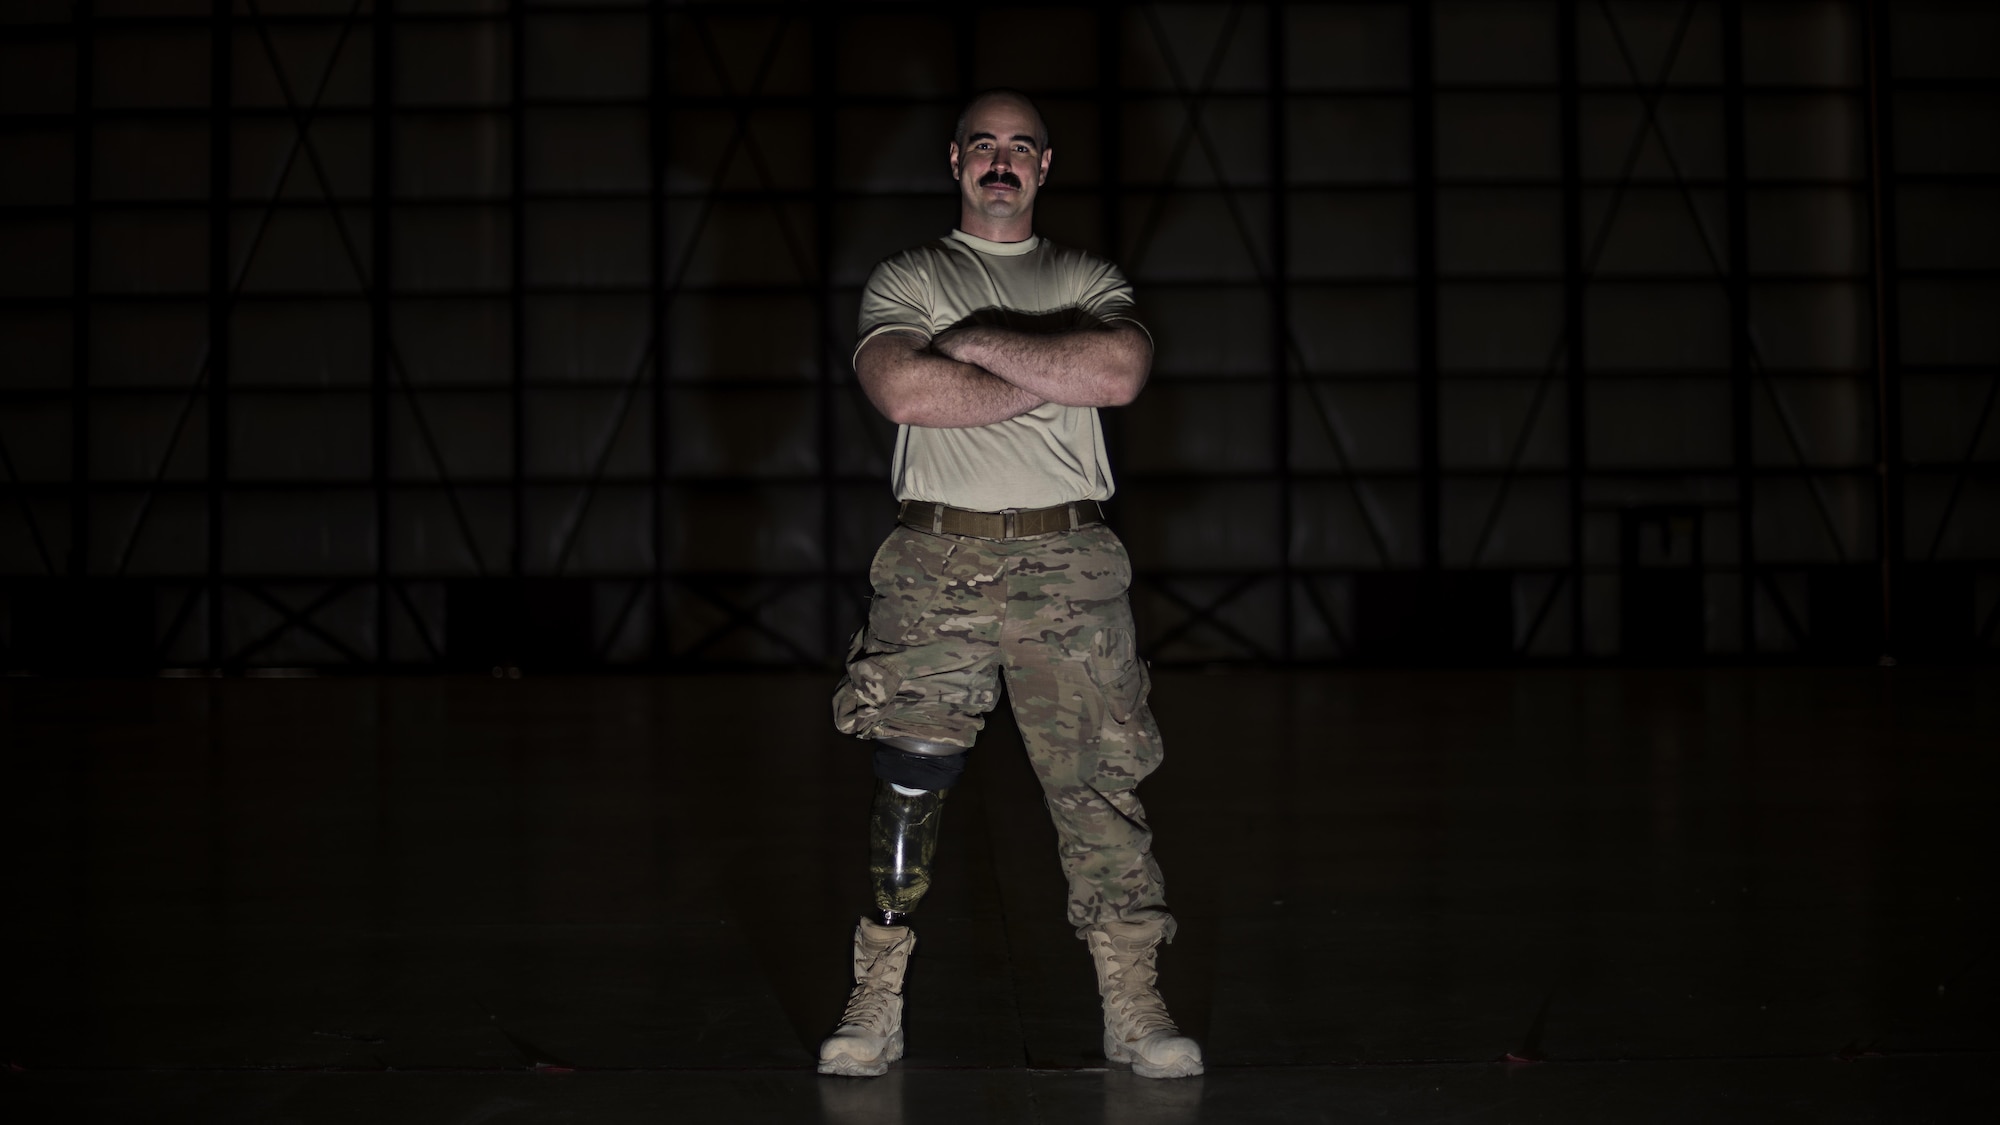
pixel 996 176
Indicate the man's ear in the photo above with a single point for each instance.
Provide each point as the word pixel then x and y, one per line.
pixel 1048 155
pixel 954 160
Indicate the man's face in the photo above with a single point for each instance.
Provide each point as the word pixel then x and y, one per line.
pixel 1001 165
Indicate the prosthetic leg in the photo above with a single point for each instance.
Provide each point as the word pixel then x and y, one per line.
pixel 902 838
pixel 903 826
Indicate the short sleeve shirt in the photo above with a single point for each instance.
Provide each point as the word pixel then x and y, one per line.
pixel 1052 454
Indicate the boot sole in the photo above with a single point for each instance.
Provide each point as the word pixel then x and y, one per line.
pixel 847 1066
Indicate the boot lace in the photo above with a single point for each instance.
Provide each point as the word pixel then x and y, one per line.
pixel 1133 1001
pixel 867 1006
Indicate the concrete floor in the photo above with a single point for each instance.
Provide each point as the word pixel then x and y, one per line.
pixel 1722 895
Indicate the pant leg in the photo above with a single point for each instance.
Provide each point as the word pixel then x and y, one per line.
pixel 1078 690
pixel 926 665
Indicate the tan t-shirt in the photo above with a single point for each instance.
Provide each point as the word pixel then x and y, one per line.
pixel 1052 454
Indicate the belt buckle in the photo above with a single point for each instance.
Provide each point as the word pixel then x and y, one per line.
pixel 1009 523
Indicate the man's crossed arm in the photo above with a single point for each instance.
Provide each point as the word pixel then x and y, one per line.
pixel 978 375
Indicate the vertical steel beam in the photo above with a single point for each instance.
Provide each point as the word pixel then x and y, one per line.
pixel 381 217
pixel 220 96
pixel 1110 129
pixel 1741 369
pixel 517 263
pixel 1888 394
pixel 1574 281
pixel 1423 175
pixel 83 139
pixel 824 37
pixel 1281 322
pixel 1111 16
pixel 660 85
pixel 1110 173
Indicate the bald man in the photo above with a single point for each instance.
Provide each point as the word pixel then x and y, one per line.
pixel 992 350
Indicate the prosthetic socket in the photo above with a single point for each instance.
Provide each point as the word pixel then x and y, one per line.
pixel 902 837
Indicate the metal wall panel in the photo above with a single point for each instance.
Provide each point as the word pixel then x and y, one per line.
pixel 332 315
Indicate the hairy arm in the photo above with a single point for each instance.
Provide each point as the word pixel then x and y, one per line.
pixel 913 385
pixel 1101 365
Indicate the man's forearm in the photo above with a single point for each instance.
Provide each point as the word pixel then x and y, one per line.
pixel 1096 366
pixel 956 395
pixel 914 386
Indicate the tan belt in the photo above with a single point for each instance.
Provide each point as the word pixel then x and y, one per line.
pixel 1013 523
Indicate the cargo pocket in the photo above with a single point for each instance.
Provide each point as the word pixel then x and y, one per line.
pixel 1121 676
pixel 907 575
pixel 1125 745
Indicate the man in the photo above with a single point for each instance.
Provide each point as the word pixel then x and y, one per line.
pixel 992 350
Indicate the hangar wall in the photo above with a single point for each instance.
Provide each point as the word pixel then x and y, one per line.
pixel 474 334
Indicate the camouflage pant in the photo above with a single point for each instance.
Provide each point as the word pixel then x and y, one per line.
pixel 952 614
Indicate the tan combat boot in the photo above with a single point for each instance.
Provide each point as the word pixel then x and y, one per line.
pixel 1137 1028
pixel 870 1035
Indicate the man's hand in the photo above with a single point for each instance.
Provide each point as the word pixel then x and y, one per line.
pixel 1099 365
pixel 913 384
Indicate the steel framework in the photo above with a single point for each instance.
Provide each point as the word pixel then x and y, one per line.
pixel 549 451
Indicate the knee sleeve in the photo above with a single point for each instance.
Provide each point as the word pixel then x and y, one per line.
pixel 917 771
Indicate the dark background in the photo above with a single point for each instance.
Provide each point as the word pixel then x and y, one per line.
pixel 469 334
